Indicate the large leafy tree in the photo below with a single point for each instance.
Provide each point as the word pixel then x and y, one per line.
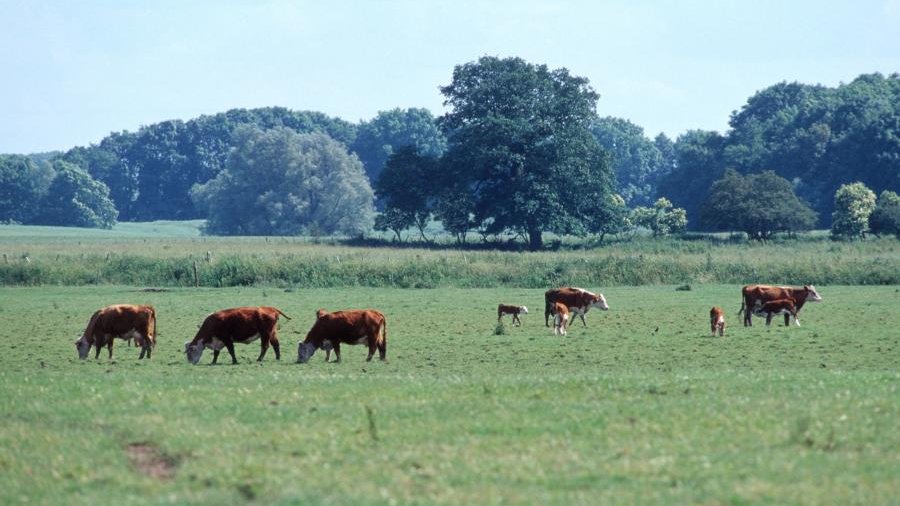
pixel 406 187
pixel 699 162
pixel 75 199
pixel 758 204
pixel 853 205
pixel 392 130
pixel 636 159
pixel 885 219
pixel 22 185
pixel 520 149
pixel 279 182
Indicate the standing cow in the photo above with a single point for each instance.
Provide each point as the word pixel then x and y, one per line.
pixel 123 321
pixel 717 321
pixel 760 294
pixel 578 300
pixel 560 318
pixel 355 326
pixel 515 311
pixel 238 325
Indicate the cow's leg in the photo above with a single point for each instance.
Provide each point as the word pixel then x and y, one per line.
pixel 230 345
pixel 372 347
pixel 143 351
pixel 328 355
pixel 382 350
pixel 98 345
pixel 546 313
pixel 109 347
pixel 264 347
pixel 797 320
pixel 516 321
pixel 276 346
pixel 582 319
pixel 768 319
pixel 337 351
pixel 787 319
pixel 215 357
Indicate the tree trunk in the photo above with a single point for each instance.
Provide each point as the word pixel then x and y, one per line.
pixel 535 239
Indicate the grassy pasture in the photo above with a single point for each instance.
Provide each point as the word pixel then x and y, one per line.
pixel 616 413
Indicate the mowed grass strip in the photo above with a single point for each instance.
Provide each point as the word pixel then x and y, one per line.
pixel 642 406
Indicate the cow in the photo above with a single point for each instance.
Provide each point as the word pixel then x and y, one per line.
pixel 717 321
pixel 123 321
pixel 765 293
pixel 774 307
pixel 238 325
pixel 503 309
pixel 354 326
pixel 560 318
pixel 578 300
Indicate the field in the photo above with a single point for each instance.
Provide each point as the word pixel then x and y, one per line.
pixel 642 406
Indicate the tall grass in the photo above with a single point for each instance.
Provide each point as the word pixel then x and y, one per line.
pixel 291 262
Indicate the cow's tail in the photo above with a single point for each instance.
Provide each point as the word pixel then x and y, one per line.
pixel 741 310
pixel 381 336
pixel 282 314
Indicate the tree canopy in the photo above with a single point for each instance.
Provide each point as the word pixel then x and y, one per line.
pixel 885 219
pixel 75 199
pixel 22 185
pixel 520 149
pixel 853 205
pixel 279 182
pixel 758 204
pixel 637 161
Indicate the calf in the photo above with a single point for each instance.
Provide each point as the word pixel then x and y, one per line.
pixel 717 321
pixel 503 309
pixel 123 321
pixel 774 307
pixel 560 318
pixel 577 300
pixel 238 325
pixel 355 326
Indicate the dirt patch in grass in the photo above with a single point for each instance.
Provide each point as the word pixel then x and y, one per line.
pixel 150 461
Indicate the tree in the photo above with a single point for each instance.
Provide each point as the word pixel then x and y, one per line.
pixel 853 204
pixel 885 219
pixel 22 185
pixel 279 182
pixel 662 219
pixel 611 217
pixel 700 161
pixel 636 160
pixel 75 199
pixel 392 130
pixel 758 204
pixel 520 149
pixel 406 187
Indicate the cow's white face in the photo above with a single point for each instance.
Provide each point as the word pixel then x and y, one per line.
pixel 193 352
pixel 523 309
pixel 813 295
pixel 83 348
pixel 305 351
pixel 600 303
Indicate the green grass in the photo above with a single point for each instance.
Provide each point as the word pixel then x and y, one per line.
pixel 165 253
pixel 616 413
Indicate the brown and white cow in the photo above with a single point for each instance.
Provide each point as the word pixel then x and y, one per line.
pixel 123 321
pixel 238 325
pixel 753 294
pixel 515 311
pixel 717 321
pixel 774 307
pixel 578 300
pixel 560 318
pixel 354 326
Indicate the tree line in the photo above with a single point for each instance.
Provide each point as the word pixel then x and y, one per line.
pixel 520 151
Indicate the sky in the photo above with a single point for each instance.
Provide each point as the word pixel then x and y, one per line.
pixel 73 71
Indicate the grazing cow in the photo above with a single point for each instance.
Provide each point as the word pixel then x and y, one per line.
pixel 717 321
pixel 578 300
pixel 560 318
pixel 503 309
pixel 774 307
pixel 355 326
pixel 239 325
pixel 125 321
pixel 765 293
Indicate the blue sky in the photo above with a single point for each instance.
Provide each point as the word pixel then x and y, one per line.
pixel 73 71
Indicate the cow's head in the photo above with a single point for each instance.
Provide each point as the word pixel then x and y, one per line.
pixel 83 347
pixel 600 302
pixel 523 309
pixel 193 352
pixel 305 351
pixel 811 294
